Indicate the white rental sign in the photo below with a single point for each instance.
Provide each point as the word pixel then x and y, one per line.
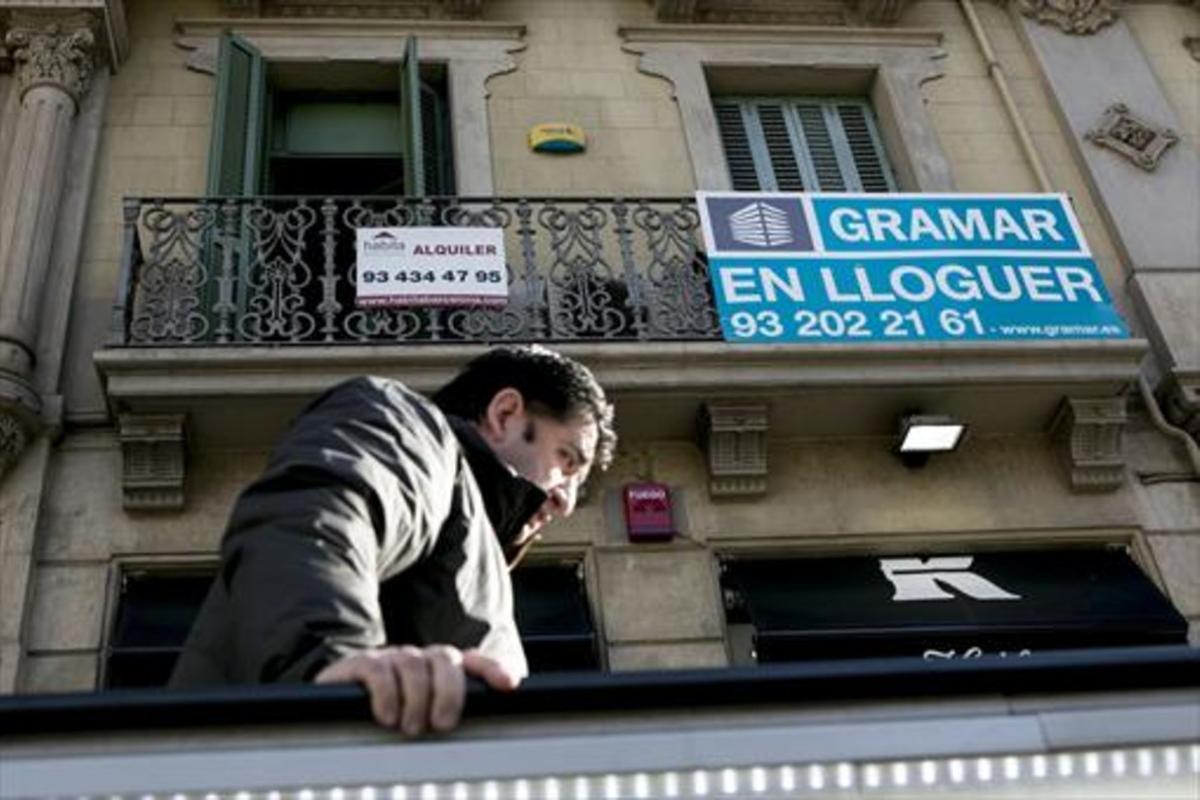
pixel 431 267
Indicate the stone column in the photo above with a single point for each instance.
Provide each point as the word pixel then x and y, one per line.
pixel 54 62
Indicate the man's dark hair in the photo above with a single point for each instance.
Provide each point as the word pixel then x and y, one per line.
pixel 549 382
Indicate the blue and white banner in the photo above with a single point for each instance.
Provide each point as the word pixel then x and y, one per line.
pixel 900 267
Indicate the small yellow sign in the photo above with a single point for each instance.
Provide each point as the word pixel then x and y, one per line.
pixel 557 137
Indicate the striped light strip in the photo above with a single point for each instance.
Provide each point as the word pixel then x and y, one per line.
pixel 1167 766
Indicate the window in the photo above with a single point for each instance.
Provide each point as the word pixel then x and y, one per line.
pixel 341 128
pixel 793 145
pixel 155 610
pixel 552 614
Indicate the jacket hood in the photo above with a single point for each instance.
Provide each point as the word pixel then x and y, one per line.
pixel 510 500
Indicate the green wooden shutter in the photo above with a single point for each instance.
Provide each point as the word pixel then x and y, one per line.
pixel 410 114
pixel 234 160
pixel 436 142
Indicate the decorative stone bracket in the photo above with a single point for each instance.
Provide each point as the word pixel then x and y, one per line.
pixel 734 438
pixel 153 454
pixel 1090 431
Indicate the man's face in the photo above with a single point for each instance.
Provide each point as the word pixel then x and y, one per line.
pixel 554 455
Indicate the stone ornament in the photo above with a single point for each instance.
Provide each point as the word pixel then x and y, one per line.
pixel 1192 43
pixel 52 56
pixel 1138 140
pixel 1071 16
pixel 154 465
pixel 14 436
pixel 734 436
pixel 1090 432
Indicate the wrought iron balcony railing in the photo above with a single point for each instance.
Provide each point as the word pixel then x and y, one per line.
pixel 280 271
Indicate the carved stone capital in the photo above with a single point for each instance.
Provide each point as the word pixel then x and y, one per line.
pixel 55 53
pixel 1090 432
pixel 734 438
pixel 1131 136
pixel 15 435
pixel 1071 16
pixel 154 465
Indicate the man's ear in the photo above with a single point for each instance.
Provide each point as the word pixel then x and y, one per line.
pixel 506 409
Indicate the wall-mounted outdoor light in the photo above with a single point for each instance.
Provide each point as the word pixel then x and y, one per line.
pixel 922 435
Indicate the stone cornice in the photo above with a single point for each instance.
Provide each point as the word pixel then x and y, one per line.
pixel 814 390
pixel 461 9
pixel 779 34
pixel 350 28
pixel 786 12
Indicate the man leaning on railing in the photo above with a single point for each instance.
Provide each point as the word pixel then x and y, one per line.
pixel 376 545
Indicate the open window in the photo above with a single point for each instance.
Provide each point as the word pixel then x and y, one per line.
pixel 330 128
pixel 553 616
pixel 155 609
pixel 154 612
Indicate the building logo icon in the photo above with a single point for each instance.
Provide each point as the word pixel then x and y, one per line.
pixel 761 225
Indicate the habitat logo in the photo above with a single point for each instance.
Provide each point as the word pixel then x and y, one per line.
pixel 755 224
pixel 384 242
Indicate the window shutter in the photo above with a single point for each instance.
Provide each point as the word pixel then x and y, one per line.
pixel 781 147
pixel 820 148
pixel 738 154
pixel 865 149
pixel 234 158
pixel 410 114
pixel 826 145
pixel 436 142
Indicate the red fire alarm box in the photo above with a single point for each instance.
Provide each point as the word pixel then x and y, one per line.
pixel 648 512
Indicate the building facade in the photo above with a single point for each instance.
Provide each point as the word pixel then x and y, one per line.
pixel 181 179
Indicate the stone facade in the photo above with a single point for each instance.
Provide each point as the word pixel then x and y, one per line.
pixel 139 123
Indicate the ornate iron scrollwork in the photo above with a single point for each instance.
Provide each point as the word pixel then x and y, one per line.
pixel 282 271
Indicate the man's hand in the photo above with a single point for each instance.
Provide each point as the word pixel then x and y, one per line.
pixel 416 689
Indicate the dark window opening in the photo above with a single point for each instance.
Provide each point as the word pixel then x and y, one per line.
pixel 554 619
pixel 155 611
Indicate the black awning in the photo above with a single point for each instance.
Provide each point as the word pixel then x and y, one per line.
pixel 950 606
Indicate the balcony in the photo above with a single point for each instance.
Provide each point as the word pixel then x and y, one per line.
pixel 1097 723
pixel 231 312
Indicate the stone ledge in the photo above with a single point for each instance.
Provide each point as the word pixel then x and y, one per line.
pixel 780 34
pixel 348 28
pixel 249 393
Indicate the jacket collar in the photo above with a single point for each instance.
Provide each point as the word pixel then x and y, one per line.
pixel 510 500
